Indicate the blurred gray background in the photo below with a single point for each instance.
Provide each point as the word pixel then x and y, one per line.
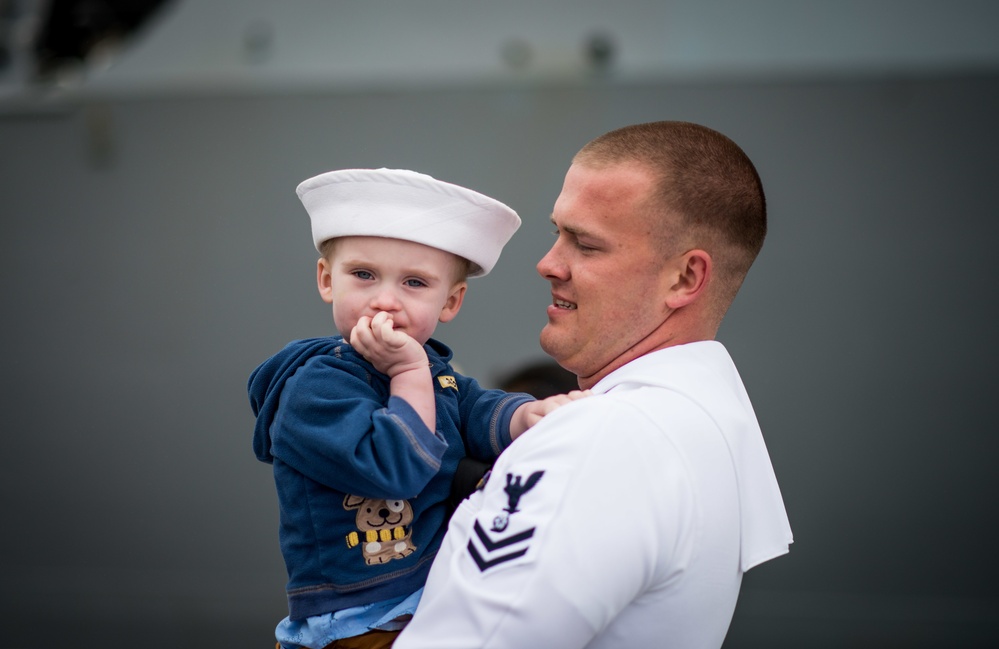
pixel 153 252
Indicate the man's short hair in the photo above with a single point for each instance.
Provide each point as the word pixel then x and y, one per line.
pixel 706 185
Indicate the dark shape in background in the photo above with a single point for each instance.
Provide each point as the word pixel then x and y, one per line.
pixel 73 31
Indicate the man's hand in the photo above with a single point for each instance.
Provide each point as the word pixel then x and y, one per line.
pixel 391 352
pixel 532 412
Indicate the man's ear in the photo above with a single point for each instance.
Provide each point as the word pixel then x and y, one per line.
pixel 324 280
pixel 454 300
pixel 690 275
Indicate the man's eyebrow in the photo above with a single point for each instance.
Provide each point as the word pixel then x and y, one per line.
pixel 561 227
pixel 576 232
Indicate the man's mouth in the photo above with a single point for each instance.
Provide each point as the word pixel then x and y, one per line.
pixel 562 304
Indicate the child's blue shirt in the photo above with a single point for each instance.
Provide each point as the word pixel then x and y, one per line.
pixel 362 483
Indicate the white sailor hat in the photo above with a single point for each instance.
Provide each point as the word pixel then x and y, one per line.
pixel 402 204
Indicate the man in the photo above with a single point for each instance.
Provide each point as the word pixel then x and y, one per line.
pixel 626 519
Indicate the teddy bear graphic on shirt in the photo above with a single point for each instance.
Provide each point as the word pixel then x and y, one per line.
pixel 381 528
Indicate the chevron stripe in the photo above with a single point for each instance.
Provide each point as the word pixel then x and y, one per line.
pixel 491 545
pixel 485 565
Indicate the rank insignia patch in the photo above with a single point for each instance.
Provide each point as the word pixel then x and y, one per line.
pixel 496 547
pixel 500 544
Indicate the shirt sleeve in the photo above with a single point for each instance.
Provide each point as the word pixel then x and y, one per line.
pixel 552 549
pixel 485 417
pixel 335 428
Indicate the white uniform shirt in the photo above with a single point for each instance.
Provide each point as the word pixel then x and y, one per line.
pixel 625 519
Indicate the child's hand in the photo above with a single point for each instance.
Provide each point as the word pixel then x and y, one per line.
pixel 532 412
pixel 391 352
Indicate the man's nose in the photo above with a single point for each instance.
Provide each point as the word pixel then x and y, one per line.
pixel 551 267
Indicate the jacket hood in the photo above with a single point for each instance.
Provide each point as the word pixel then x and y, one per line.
pixel 268 380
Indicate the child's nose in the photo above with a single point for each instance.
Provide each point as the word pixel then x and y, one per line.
pixel 385 300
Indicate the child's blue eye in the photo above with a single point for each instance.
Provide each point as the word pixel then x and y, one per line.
pixel 362 274
pixel 415 283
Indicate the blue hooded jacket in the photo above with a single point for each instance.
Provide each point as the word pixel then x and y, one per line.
pixel 362 483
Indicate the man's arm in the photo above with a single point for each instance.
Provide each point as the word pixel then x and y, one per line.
pixel 552 549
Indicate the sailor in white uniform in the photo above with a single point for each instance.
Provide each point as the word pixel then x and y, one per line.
pixel 628 518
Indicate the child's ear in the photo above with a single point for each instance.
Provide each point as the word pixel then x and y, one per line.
pixel 324 280
pixel 454 300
